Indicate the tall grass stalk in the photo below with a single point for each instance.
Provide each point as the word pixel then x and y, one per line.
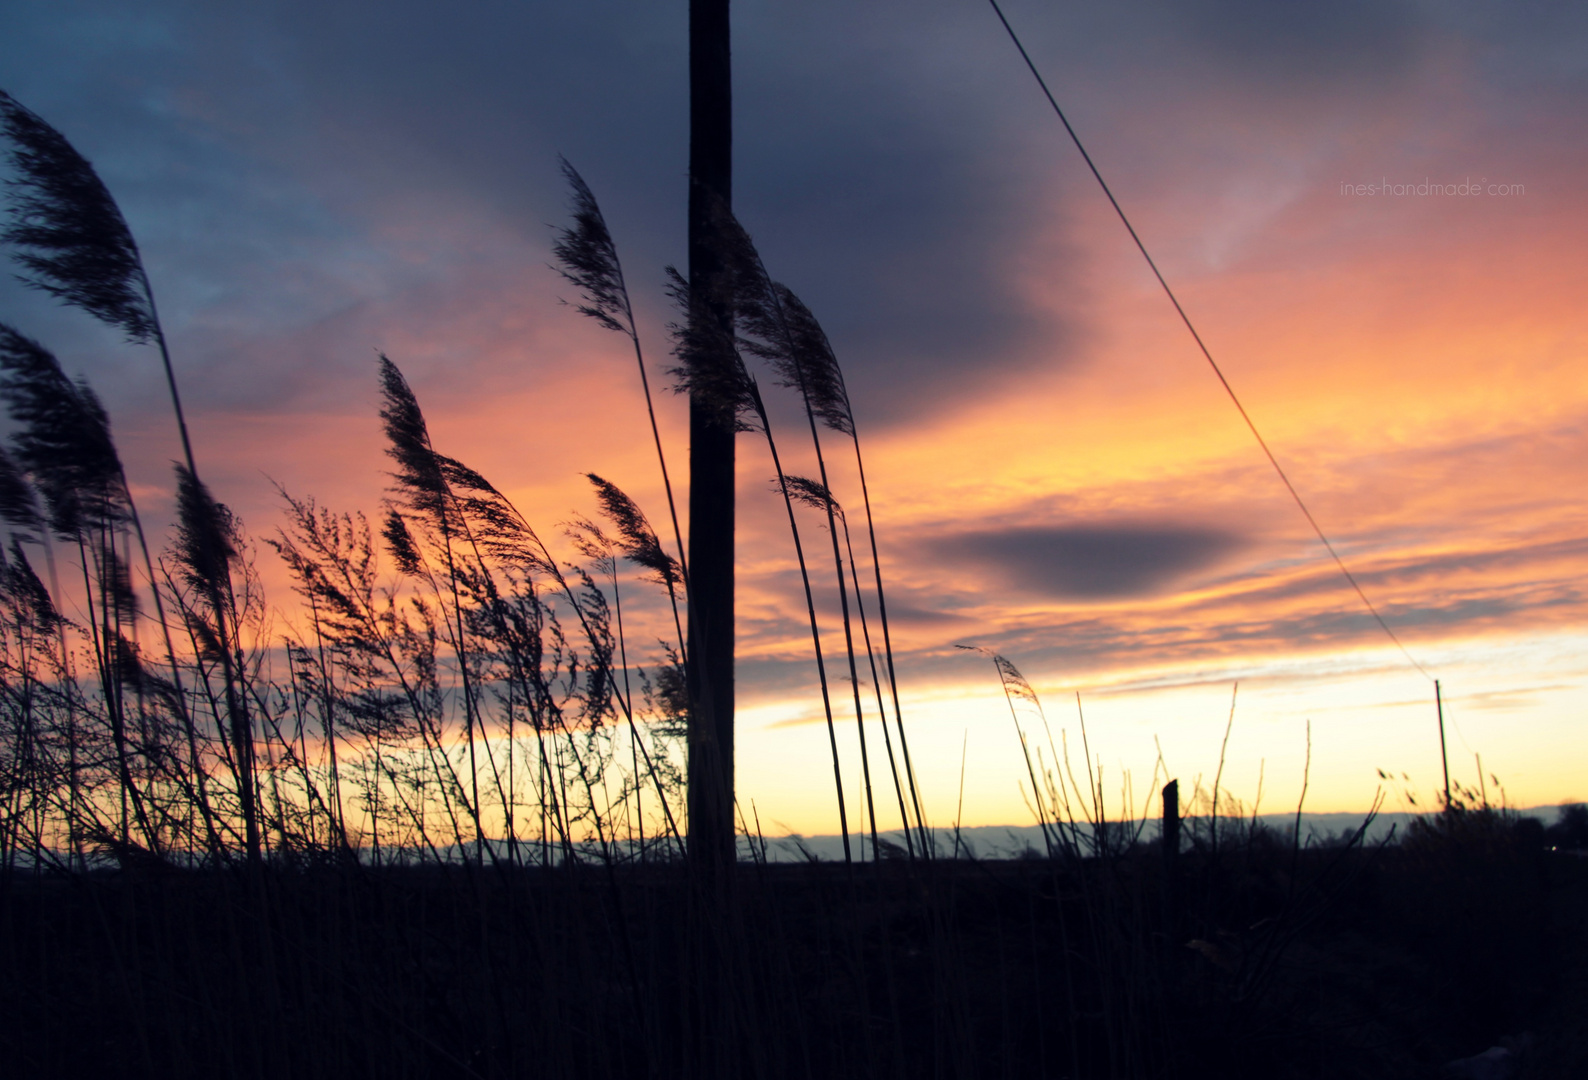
pixel 782 331
pixel 876 684
pixel 786 489
pixel 1218 775
pixel 588 258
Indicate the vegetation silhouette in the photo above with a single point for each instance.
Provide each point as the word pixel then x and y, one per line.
pixel 436 826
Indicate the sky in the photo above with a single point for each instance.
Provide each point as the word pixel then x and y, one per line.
pixel 1371 209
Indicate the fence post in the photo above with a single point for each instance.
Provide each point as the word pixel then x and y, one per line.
pixel 1170 839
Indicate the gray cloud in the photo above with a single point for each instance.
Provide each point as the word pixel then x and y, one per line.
pixel 894 161
pixel 290 170
pixel 1090 562
pixel 265 161
pixel 1315 612
pixel 1303 45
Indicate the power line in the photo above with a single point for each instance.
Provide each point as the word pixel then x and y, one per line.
pixel 1228 389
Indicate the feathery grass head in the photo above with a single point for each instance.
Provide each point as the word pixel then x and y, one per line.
pixel 492 520
pixel 419 478
pixel 115 578
pixel 593 543
pixel 818 375
pixel 207 535
pixel 669 694
pixel 742 272
pixel 588 258
pixel 75 244
pixel 638 540
pixel 19 501
pixel 443 491
pixel 400 543
pixel 813 493
pixel 63 437
pixel 1014 683
pixel 126 661
pixel 781 330
pixel 23 583
pixel 710 368
pixel 778 327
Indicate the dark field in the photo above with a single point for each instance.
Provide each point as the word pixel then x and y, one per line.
pixel 1335 961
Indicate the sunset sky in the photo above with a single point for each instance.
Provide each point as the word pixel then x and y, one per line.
pixel 1057 474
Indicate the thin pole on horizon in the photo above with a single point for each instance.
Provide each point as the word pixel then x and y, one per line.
pixel 709 665
pixel 1444 759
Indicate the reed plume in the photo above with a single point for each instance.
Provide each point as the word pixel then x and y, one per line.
pixel 75 243
pixel 421 483
pixel 400 543
pixel 22 582
pixel 207 537
pixel 639 543
pixel 709 369
pixel 62 439
pixel 19 501
pixel 418 480
pixel 470 517
pixel 588 258
pixel 814 494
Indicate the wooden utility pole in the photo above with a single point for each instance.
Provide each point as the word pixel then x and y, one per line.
pixel 711 456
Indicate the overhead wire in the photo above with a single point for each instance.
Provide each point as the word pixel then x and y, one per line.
pixel 1202 346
